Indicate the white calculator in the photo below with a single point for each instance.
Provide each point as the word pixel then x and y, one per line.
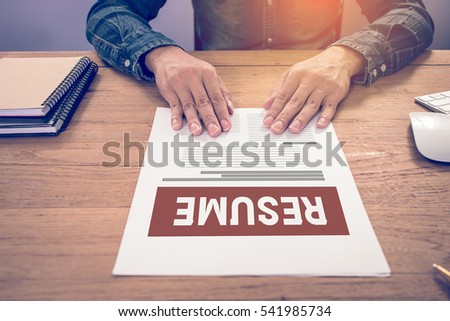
pixel 439 102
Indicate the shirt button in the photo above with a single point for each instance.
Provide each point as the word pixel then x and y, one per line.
pixel 383 68
pixel 127 63
pixel 269 2
pixel 269 40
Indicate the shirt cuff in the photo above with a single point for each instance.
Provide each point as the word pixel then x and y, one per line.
pixel 133 61
pixel 374 53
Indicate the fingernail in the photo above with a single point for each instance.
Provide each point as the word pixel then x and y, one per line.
pixel 268 121
pixel 277 127
pixel 322 122
pixel 225 125
pixel 295 126
pixel 175 124
pixel 213 130
pixel 195 129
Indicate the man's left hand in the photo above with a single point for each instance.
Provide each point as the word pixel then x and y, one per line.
pixel 320 82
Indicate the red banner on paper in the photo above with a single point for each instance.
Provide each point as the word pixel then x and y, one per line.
pixel 245 211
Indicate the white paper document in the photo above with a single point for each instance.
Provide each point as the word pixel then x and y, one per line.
pixel 247 203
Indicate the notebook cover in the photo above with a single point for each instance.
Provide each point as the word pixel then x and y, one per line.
pixel 56 121
pixel 33 86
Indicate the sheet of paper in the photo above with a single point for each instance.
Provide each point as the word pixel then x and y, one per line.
pixel 247 203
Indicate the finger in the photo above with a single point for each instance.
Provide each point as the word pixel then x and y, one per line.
pixel 227 95
pixel 193 121
pixel 177 113
pixel 329 110
pixel 219 103
pixel 230 106
pixel 308 111
pixel 205 108
pixel 268 102
pixel 180 100
pixel 282 97
pixel 189 110
pixel 174 103
pixel 291 109
pixel 273 94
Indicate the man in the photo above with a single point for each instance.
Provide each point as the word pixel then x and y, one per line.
pixel 399 31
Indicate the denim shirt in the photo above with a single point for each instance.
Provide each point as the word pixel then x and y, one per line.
pixel 398 31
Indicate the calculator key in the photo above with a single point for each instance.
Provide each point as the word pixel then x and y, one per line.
pixel 445 108
pixel 440 102
pixel 437 96
pixel 425 98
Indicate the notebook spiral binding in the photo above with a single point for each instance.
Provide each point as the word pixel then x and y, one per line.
pixel 66 83
pixel 72 98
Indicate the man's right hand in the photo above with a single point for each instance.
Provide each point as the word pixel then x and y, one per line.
pixel 192 88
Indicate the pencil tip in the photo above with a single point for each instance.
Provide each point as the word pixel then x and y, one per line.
pixel 435 265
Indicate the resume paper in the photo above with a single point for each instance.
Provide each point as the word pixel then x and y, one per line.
pixel 248 202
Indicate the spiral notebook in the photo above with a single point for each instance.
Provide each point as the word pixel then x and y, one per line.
pixel 56 108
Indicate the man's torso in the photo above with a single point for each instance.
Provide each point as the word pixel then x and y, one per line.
pixel 262 24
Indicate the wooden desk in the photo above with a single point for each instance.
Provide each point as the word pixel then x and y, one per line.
pixel 62 214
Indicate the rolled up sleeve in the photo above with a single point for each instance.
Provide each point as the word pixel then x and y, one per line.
pixel 398 33
pixel 121 34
